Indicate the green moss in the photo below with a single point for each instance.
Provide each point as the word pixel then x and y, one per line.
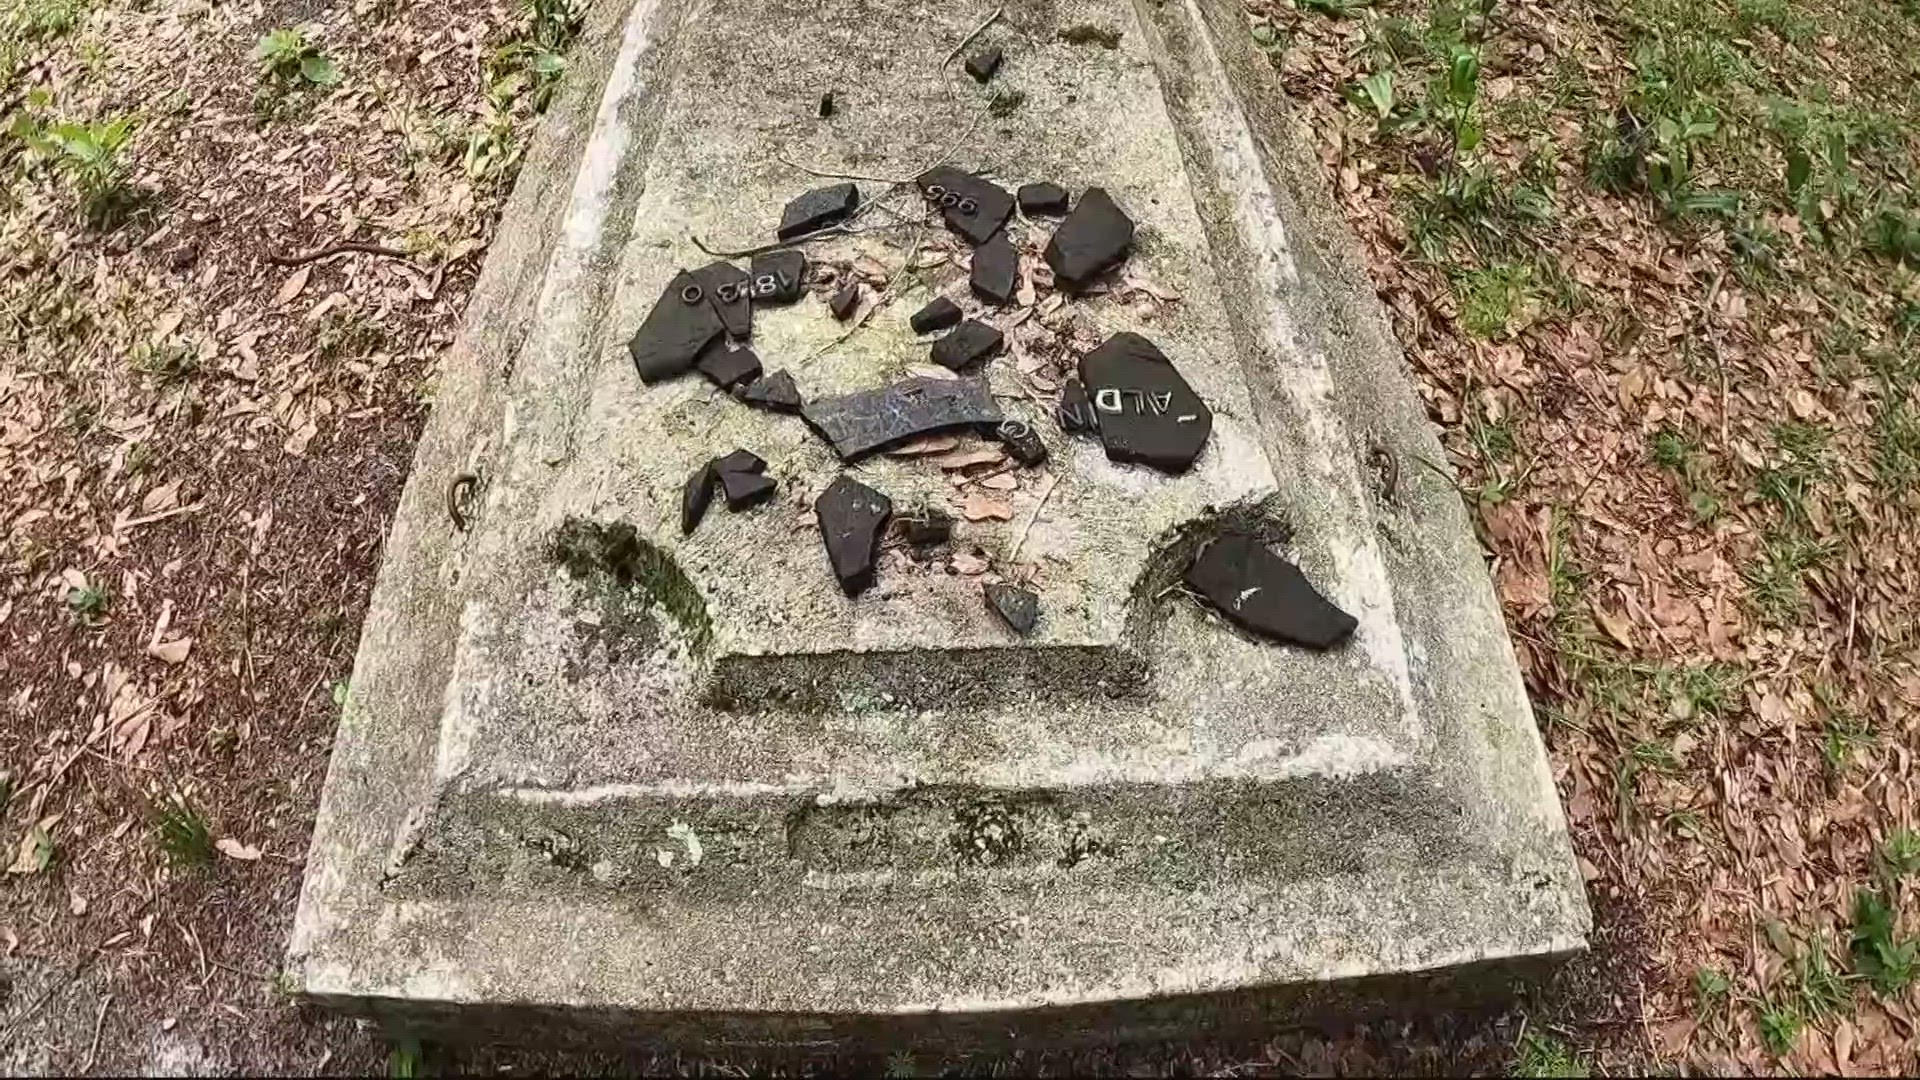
pixel 587 549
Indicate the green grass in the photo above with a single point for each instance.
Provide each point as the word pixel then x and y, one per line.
pixel 1712 988
pixel 1544 1055
pixel 1698 691
pixel 1842 735
pixel 1780 1025
pixel 1885 959
pixel 1775 579
pixel 88 603
pixel 183 835
pixel 1496 301
pixel 1899 856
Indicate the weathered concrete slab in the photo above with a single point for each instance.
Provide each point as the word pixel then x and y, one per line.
pixel 597 776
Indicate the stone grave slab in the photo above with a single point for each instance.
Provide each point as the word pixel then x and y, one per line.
pixel 604 776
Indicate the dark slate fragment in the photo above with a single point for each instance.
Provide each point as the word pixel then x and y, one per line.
pixel 746 489
pixel 1266 594
pixel 982 65
pixel 696 498
pixel 779 277
pixel 859 424
pixel 1075 412
pixel 996 270
pixel 675 332
pixel 973 207
pixel 851 515
pixel 826 105
pixel 1042 198
pixel 939 314
pixel 818 209
pixel 1095 236
pixel 740 461
pixel 971 342
pixel 925 528
pixel 1022 442
pixel 845 303
pixel 775 393
pixel 729 368
pixel 730 291
pixel 1147 413
pixel 1019 608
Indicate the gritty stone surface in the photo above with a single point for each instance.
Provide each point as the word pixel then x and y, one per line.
pixel 595 778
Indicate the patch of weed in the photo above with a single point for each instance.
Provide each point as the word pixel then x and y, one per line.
pixel 1712 988
pixel 1543 1055
pixel 88 603
pixel 1887 961
pixel 1899 856
pixel 1775 579
pixel 1780 1025
pixel 288 56
pixel 183 834
pixel 1497 300
pixel 89 156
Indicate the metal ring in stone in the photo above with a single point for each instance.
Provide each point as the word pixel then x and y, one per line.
pixel 1013 429
pixel 691 294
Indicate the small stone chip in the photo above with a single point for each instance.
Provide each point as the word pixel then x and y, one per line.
pixel 1075 412
pixel 939 314
pixel 775 393
pixel 851 515
pixel 996 270
pixel 779 277
pixel 678 329
pixel 1017 607
pixel 727 367
pixel 826 105
pixel 696 498
pixel 1266 594
pixel 740 461
pixel 1091 239
pixel 817 209
pixel 730 291
pixel 744 489
pixel 982 65
pixel 1147 413
pixel 1022 442
pixel 969 343
pixel 1042 198
pixel 845 303
pixel 973 207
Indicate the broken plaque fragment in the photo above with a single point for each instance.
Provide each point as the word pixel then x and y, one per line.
pixel 825 108
pixel 851 515
pixel 845 303
pixel 696 498
pixel 925 527
pixel 996 270
pixel 730 291
pixel 983 64
pixel 1147 414
pixel 859 424
pixel 775 393
pixel 972 207
pixel 1042 198
pixel 971 342
pixel 741 461
pixel 678 329
pixel 1266 594
pixel 939 314
pixel 817 209
pixel 1017 607
pixel 1092 238
pixel 744 489
pixel 1075 411
pixel 1022 442
pixel 779 277
pixel 729 367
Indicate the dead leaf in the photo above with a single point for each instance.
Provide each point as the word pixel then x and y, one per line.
pixel 926 444
pixel 234 849
pixel 966 459
pixel 173 652
pixel 969 562
pixel 36 848
pixel 1616 626
pixel 293 286
pixel 164 497
pixel 980 506
pixel 1001 482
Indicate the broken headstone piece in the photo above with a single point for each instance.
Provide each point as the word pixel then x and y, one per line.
pixel 1146 413
pixel 1266 594
pixel 859 424
pixel 817 209
pixel 851 515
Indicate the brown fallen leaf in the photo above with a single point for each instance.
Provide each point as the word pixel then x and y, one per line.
pixel 1001 482
pixel 173 652
pixel 969 562
pixel 234 849
pixel 293 286
pixel 932 371
pixel 980 506
pixel 966 459
pixel 926 444
pixel 1616 627
pixel 164 497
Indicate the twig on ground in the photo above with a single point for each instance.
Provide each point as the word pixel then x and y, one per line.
pixel 1053 481
pixel 1713 339
pixel 977 31
pixel 824 174
pixel 99 1021
pixel 350 247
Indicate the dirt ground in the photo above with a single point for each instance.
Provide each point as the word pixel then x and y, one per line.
pixel 1654 264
